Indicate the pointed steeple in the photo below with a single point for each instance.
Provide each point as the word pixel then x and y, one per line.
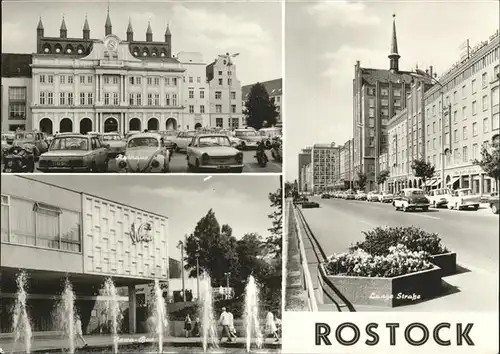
pixel 108 26
pixel 86 29
pixel 63 31
pixel 167 31
pixel 40 24
pixel 149 33
pixel 39 35
pixel 394 55
pixel 130 31
pixel 168 40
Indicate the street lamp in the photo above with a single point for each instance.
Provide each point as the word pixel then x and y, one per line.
pixel 422 74
pixel 229 64
pixel 180 245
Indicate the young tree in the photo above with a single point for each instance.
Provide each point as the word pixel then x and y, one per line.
pixel 362 178
pixel 259 108
pixel 490 160
pixel 423 169
pixel 383 176
pixel 275 240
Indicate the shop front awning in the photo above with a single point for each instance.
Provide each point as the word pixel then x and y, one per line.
pixel 436 182
pixel 430 182
pixel 453 181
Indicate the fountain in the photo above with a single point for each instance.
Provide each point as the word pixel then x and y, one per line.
pixel 160 314
pixel 252 324
pixel 112 310
pixel 209 332
pixel 20 322
pixel 65 314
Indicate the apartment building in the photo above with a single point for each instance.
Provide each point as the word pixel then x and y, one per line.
pixel 325 167
pixel 346 177
pixel 304 160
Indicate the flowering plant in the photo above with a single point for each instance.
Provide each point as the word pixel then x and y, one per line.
pixel 398 261
pixel 379 240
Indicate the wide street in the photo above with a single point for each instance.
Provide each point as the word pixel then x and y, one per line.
pixel 178 164
pixel 473 235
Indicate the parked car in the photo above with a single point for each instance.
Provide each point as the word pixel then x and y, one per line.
pixel 300 199
pixel 269 134
pixel 146 153
pixel 75 153
pixel 310 205
pixel 213 152
pixel 385 197
pixel 349 195
pixel 130 133
pixel 8 138
pixel 115 143
pixel 182 140
pixel 411 199
pixel 250 138
pixel 360 195
pixel 493 202
pixel 34 138
pixel 439 197
pixel 372 196
pixel 464 198
pixel 325 196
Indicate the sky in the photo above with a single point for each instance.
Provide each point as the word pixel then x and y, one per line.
pixel 240 201
pixel 324 40
pixel 212 28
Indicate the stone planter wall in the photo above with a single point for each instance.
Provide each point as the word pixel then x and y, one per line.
pixel 383 292
pixel 447 262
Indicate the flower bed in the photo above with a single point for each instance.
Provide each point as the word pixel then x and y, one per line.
pixel 379 241
pixel 400 277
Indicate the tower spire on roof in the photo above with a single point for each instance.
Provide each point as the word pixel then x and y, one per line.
pixel 129 28
pixel 86 26
pixel 108 26
pixel 63 25
pixel 167 31
pixel 149 30
pixel 40 24
pixel 394 55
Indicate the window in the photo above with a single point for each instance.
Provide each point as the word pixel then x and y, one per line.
pixel 495 121
pixel 70 79
pixel 174 81
pixel 464 133
pixel 191 94
pixel 229 82
pixel 220 73
pixel 218 95
pixel 384 102
pixel 397 93
pixel 138 99
pixel 455 97
pixel 42 98
pixel 218 108
pixel 150 99
pixel 42 79
pixel 371 123
pixel 463 92
pixel 202 109
pixel 131 99
pixel 484 79
pixel 496 71
pixel 174 99
pixel 82 79
pixel 486 125
pixel 167 81
pixel 157 81
pixel 115 99
pixel 89 79
pixel 475 151
pixel 198 79
pixel 106 98
pixel 131 80
pixel 220 82
pixel 90 98
pixel 455 135
pixel 233 95
pixel 106 79
pixel 167 99
pixel 50 98
pixel 455 115
pixel 191 109
pixel 116 79
pixel 384 92
pixel 465 154
pixel 62 98
pixel 474 108
pixel 218 122
pixel 233 108
pixel 202 94
pixel 433 127
pixel 434 143
pixel 464 113
pixel 474 129
pixel 371 112
pixel 485 103
pixel 70 98
pixel 157 99
pixel 150 81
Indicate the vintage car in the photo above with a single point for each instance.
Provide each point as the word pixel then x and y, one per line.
pixel 439 197
pixel 493 202
pixel 168 138
pixel 385 197
pixel 146 153
pixel 310 205
pixel 35 138
pixel 372 196
pixel 183 139
pixel 349 195
pixel 115 142
pixel 325 196
pixel 250 138
pixel 360 195
pixel 75 153
pixel 269 134
pixel 410 199
pixel 130 133
pixel 463 198
pixel 213 152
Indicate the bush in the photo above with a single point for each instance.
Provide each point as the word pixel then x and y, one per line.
pixel 398 261
pixel 378 241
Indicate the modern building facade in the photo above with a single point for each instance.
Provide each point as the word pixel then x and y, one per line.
pixel 304 160
pixel 275 90
pixel 325 159
pixel 346 177
pixel 53 233
pixel 225 93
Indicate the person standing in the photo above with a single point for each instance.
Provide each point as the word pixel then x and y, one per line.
pixel 271 328
pixel 79 332
pixel 232 330
pixel 187 325
pixel 197 327
pixel 225 322
pixel 102 322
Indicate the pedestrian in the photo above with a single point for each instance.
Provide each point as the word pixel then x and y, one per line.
pixel 196 327
pixel 232 330
pixel 225 322
pixel 79 331
pixel 188 325
pixel 102 322
pixel 271 329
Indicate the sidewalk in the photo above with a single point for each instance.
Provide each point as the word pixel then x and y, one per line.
pixel 126 340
